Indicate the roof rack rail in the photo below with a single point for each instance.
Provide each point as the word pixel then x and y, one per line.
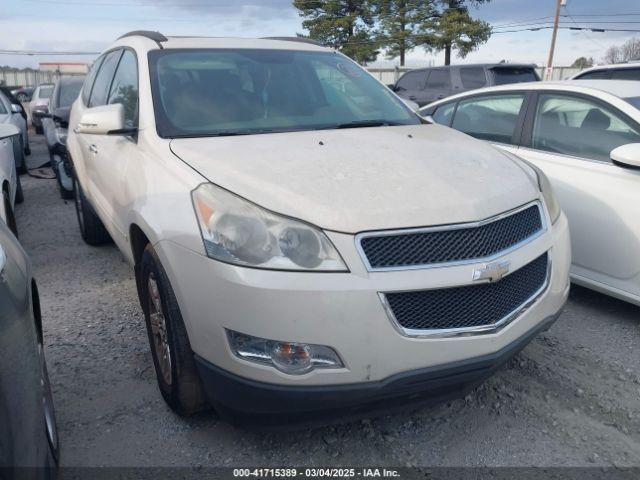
pixel 155 36
pixel 296 39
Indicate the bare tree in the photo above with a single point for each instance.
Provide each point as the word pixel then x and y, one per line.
pixel 628 51
pixel 613 54
pixel 631 49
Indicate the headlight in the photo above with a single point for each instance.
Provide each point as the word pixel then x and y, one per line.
pixel 547 193
pixel 544 186
pixel 288 357
pixel 237 231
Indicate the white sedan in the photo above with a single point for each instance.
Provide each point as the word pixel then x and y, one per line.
pixel 9 180
pixel 585 135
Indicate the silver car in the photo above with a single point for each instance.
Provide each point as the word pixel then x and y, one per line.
pixel 40 102
pixel 10 114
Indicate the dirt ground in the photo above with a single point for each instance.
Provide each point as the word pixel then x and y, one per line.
pixel 571 398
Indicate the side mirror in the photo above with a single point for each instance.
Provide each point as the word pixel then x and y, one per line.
pixel 627 155
pixel 104 120
pixel 391 86
pixel 428 118
pixel 16 108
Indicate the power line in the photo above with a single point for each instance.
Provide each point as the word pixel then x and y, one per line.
pixel 586 35
pixel 41 52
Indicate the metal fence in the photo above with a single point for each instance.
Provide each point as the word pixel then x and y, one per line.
pixel 13 77
pixel 391 75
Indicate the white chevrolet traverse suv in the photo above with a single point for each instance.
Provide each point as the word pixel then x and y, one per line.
pixel 304 243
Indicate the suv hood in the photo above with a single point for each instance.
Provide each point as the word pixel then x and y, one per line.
pixel 353 180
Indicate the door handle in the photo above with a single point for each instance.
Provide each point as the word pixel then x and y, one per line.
pixel 412 97
pixel 93 149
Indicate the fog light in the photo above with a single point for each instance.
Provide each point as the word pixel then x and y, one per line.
pixel 288 357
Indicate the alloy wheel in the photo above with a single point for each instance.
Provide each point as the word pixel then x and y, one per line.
pixel 159 330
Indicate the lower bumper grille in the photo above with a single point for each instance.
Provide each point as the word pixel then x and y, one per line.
pixel 469 307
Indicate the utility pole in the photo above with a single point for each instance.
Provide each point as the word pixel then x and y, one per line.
pixel 559 4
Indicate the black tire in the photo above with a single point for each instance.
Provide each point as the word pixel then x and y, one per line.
pixel 183 390
pixel 91 227
pixel 64 193
pixel 39 129
pixel 27 150
pixel 57 168
pixel 19 192
pixel 11 219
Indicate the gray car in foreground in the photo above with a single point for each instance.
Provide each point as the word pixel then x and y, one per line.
pixel 28 434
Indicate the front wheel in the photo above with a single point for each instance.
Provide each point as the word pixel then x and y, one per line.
pixel 65 183
pixel 173 358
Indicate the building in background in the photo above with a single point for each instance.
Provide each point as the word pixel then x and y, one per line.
pixel 65 68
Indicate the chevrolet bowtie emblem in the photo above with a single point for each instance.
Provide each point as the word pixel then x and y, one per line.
pixel 492 272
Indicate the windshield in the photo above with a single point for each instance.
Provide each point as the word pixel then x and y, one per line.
pixel 69 91
pixel 45 91
pixel 504 75
pixel 235 92
pixel 635 101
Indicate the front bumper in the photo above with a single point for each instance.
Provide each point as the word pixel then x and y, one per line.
pixel 246 401
pixel 342 311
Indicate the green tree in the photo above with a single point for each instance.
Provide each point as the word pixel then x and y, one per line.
pixel 347 25
pixel 453 28
pixel 399 21
pixel 582 62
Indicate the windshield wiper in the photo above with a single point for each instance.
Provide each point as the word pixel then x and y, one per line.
pixel 367 123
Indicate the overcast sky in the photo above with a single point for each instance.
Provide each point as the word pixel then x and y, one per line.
pixel 90 25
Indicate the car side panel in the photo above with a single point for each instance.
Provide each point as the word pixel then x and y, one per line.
pixel 23 440
pixel 7 169
pixel 600 200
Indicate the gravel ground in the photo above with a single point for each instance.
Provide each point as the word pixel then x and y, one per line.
pixel 571 398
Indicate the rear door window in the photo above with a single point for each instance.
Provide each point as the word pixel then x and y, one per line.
pixel 439 79
pixel 124 88
pixel 102 84
pixel 88 82
pixel 492 117
pixel 45 91
pixel 505 75
pixel 472 77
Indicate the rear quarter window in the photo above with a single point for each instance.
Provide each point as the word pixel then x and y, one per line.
pixel 411 81
pixel 626 74
pixel 595 75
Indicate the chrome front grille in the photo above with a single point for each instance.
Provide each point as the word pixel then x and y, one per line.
pixel 469 308
pixel 418 248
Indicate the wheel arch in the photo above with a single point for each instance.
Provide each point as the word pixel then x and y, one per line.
pixel 138 240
